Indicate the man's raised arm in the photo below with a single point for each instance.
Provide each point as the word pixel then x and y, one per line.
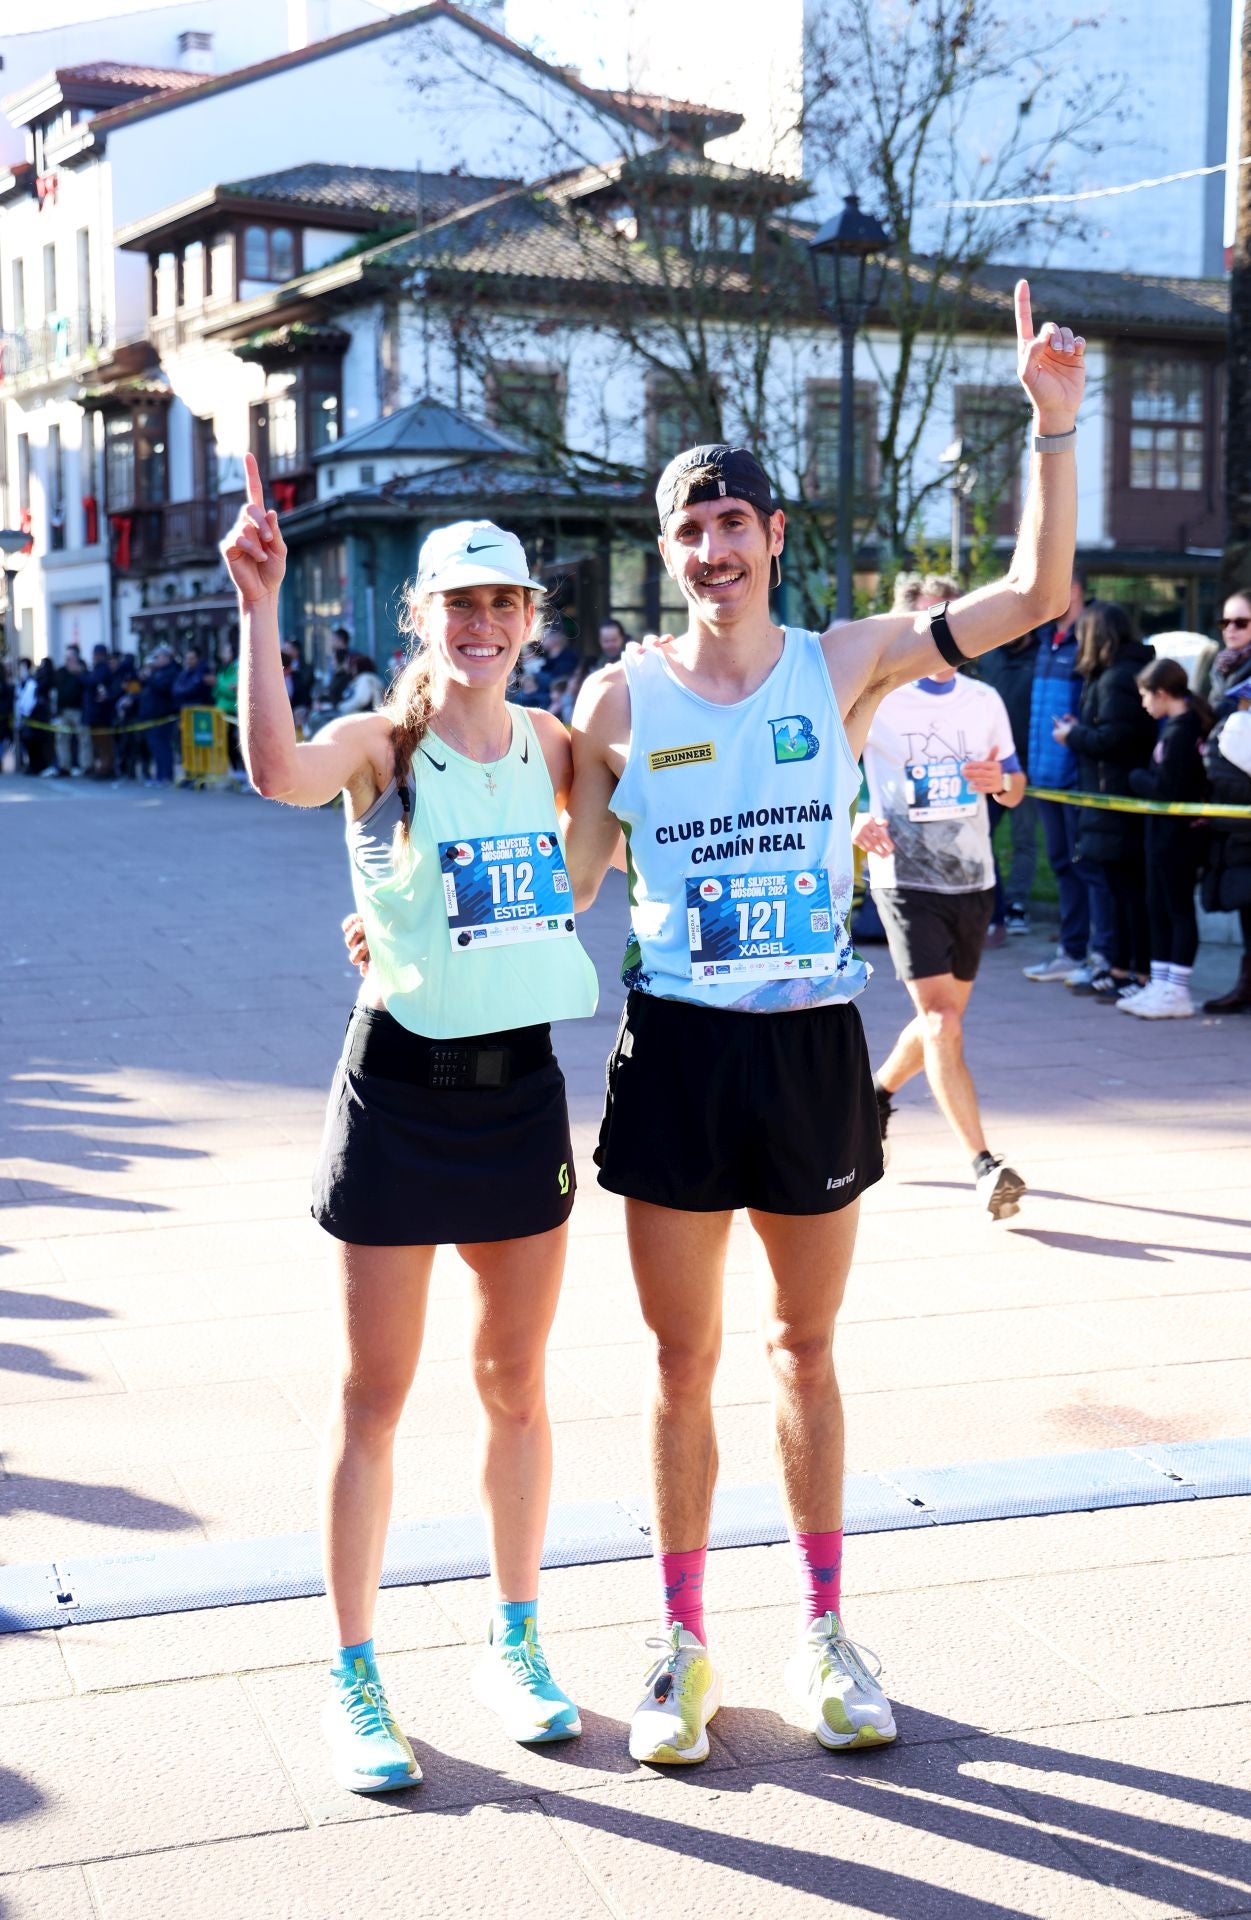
pixel 871 656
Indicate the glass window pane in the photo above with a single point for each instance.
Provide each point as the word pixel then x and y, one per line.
pixel 1192 460
pixel 324 416
pixel 193 275
pixel 256 254
pixel 1141 458
pixel 284 437
pixel 281 254
pixel 1167 390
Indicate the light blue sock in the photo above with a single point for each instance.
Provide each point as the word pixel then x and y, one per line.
pixel 1180 976
pixel 1159 973
pixel 346 1657
pixel 510 1616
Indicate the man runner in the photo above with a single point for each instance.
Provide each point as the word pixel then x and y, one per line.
pixel 740 1076
pixel 935 750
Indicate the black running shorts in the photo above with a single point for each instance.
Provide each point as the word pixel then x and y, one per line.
pixel 932 933
pixel 405 1164
pixel 709 1109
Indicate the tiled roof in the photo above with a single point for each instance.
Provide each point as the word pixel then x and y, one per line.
pixel 672 163
pixel 370 190
pixel 119 73
pixel 526 235
pixel 1085 299
pixel 664 111
pixel 500 479
pixel 427 427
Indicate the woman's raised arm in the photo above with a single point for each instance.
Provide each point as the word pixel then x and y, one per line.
pixel 279 766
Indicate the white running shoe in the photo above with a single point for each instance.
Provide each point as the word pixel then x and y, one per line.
pixel 999 1191
pixel 670 1723
pixel 1059 967
pixel 1162 1001
pixel 513 1679
pixel 369 1752
pixel 830 1678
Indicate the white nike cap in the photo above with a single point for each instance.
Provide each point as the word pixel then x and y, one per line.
pixel 472 553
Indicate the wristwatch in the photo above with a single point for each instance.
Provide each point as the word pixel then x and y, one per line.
pixel 1053 442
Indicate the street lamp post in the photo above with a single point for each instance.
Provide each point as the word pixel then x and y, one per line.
pixel 848 264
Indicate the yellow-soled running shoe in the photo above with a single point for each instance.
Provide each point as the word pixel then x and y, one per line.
pixel 830 1678
pixel 670 1723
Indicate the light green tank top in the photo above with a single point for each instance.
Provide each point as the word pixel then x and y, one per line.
pixel 475 934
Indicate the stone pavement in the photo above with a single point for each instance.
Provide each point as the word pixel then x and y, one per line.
pixel 1074 1693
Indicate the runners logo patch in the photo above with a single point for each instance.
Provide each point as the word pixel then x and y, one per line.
pixel 562 1178
pixel 845 1180
pixel 793 739
pixel 692 756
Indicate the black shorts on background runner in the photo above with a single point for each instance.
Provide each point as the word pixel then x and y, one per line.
pixel 931 933
pixel 709 1109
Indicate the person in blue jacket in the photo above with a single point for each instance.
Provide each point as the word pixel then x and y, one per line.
pixel 1084 913
pixel 157 703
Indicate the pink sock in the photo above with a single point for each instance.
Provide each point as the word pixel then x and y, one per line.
pixel 682 1584
pixel 820 1571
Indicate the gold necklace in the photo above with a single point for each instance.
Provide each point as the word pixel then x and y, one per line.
pixel 488 766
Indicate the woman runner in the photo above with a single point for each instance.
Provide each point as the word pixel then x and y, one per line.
pixel 447 1120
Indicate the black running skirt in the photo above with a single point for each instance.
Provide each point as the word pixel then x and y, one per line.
pixel 404 1162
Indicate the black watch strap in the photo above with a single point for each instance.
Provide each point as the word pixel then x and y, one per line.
pixel 943 638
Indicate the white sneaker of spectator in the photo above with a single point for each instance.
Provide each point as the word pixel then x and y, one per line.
pixel 1058 967
pixel 1162 1000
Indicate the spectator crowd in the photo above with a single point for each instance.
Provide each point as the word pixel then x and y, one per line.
pixel 1092 710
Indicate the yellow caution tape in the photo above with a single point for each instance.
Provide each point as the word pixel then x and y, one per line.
pixel 1115 803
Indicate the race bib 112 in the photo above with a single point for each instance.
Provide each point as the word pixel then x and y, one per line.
pixel 760 926
pixel 504 889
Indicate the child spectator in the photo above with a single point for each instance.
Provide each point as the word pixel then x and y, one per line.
pixel 1173 845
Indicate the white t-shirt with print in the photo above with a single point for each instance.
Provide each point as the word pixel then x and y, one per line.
pixel 920 737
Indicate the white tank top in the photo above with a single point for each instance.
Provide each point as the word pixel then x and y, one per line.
pixel 738 831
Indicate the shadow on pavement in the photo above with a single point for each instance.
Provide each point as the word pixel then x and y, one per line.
pixel 61 1121
pixel 16 1359
pixel 15 1305
pixel 1155 1251
pixel 96 1504
pixel 1097 1200
pixel 998 1794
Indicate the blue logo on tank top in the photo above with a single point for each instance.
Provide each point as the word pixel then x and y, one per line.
pixel 793 738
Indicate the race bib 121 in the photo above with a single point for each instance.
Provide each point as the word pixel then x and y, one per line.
pixel 760 926
pixel 506 888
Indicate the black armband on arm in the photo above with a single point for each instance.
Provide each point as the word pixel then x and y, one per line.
pixel 943 638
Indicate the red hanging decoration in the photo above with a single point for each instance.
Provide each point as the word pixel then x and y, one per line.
pixel 284 493
pixel 121 525
pixel 91 519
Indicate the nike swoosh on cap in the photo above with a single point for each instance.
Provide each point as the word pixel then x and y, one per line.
pixel 483 546
pixel 440 764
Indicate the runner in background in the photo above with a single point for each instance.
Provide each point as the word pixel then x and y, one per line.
pixel 447 1121
pixel 936 751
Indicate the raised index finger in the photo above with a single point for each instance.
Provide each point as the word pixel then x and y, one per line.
pixel 1024 312
pixel 252 480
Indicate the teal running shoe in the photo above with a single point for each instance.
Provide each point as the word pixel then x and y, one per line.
pixel 513 1679
pixel 832 1681
pixel 368 1750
